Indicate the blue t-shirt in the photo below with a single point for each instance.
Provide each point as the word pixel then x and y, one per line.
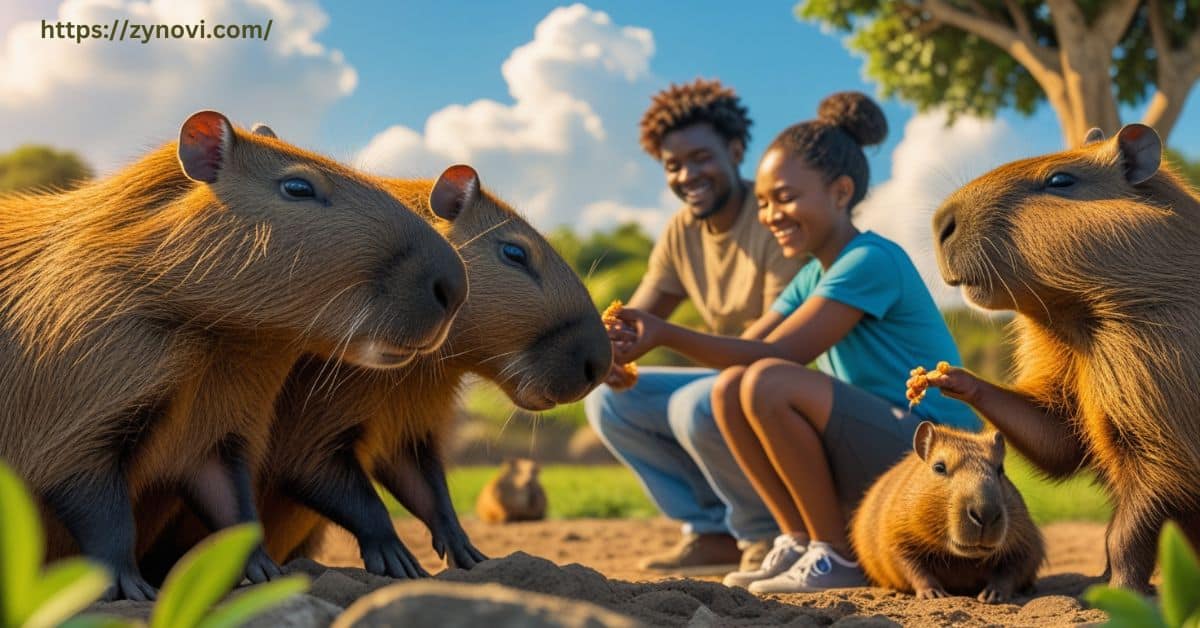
pixel 901 327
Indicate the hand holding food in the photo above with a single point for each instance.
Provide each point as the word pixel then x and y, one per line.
pixel 622 376
pixel 918 384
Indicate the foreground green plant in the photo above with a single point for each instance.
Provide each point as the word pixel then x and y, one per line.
pixel 1179 593
pixel 30 596
pixel 208 572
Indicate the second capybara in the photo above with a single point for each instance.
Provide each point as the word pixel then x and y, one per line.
pixel 145 320
pixel 514 494
pixel 1095 249
pixel 946 520
pixel 529 325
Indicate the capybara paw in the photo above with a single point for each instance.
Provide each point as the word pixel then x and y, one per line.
pixel 129 585
pixel 260 568
pixel 456 548
pixel 994 593
pixel 931 593
pixel 391 558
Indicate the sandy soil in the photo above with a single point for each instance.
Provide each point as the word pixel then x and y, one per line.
pixel 609 549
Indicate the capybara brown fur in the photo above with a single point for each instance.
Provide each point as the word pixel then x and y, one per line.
pixel 1095 249
pixel 529 325
pixel 148 320
pixel 946 520
pixel 513 494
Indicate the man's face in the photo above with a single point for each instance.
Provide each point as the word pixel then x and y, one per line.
pixel 701 167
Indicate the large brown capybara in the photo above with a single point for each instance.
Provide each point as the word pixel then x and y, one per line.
pixel 149 319
pixel 1096 250
pixel 947 520
pixel 529 326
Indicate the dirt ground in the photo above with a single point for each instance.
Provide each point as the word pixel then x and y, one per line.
pixel 612 548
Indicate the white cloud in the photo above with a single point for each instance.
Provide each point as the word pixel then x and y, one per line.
pixel 565 151
pixel 110 99
pixel 930 162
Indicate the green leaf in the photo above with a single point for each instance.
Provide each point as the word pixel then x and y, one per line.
pixel 1125 608
pixel 21 548
pixel 99 621
pixel 1193 621
pixel 67 587
pixel 1180 591
pixel 255 600
pixel 203 576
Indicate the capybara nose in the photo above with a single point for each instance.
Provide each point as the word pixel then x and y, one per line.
pixel 449 290
pixel 975 517
pixel 944 224
pixel 594 369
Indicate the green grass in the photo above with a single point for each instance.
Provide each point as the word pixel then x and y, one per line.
pixel 614 492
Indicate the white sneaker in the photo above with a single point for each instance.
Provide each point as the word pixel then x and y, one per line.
pixel 819 569
pixel 786 551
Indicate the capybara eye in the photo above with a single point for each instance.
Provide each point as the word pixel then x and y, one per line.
pixel 515 254
pixel 1060 180
pixel 297 188
pixel 939 468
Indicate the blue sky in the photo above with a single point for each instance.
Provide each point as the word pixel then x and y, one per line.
pixel 416 56
pixel 542 97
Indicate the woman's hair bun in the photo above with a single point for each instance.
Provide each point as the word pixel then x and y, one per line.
pixel 856 114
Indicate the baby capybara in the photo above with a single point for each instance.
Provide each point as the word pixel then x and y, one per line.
pixel 513 494
pixel 1095 248
pixel 947 520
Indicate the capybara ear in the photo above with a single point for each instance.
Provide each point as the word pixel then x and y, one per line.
pixel 923 439
pixel 204 143
pixel 1094 135
pixel 1141 152
pixel 454 191
pixel 261 129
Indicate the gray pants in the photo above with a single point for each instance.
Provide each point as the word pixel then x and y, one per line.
pixel 866 435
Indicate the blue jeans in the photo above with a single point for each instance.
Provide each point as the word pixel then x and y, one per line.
pixel 663 429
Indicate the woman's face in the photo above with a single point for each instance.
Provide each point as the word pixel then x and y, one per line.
pixel 797 205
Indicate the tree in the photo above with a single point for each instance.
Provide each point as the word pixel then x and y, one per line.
pixel 33 167
pixel 1084 57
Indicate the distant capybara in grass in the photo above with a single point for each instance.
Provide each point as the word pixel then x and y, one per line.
pixel 514 494
pixel 529 325
pixel 1096 250
pixel 148 320
pixel 947 520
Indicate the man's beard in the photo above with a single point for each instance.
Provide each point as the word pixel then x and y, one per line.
pixel 718 203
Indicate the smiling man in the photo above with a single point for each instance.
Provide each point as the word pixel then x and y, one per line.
pixel 715 253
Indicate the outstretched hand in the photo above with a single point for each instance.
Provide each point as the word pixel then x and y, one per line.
pixel 634 334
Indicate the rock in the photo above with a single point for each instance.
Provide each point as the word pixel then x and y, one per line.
pixel 302 611
pixel 453 605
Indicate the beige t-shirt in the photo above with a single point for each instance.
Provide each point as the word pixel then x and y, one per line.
pixel 731 277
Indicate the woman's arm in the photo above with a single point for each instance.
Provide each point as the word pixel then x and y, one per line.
pixel 818 324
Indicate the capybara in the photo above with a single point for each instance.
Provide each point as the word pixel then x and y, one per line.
pixel 947 520
pixel 514 494
pixel 148 320
pixel 529 325
pixel 1095 249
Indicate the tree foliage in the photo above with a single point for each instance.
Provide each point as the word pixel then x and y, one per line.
pixel 976 57
pixel 33 167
